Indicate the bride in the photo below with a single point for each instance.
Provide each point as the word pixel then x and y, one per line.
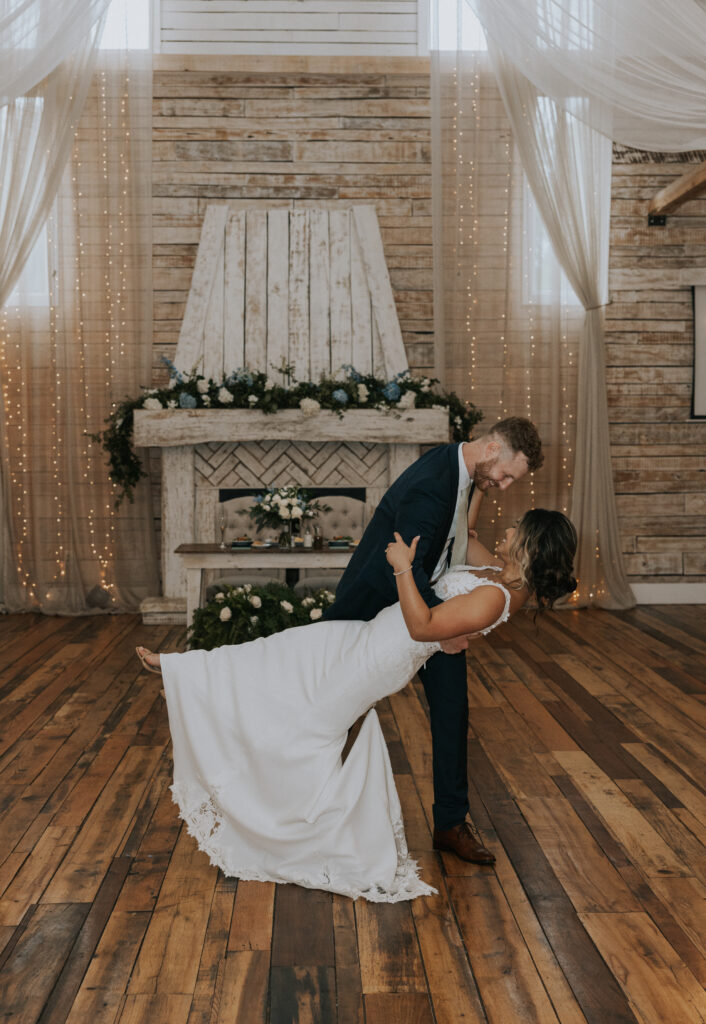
pixel 258 729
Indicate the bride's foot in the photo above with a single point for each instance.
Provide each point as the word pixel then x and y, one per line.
pixel 149 660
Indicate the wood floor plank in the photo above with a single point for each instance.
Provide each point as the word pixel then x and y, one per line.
pixel 656 982
pixel 37 960
pixel 635 834
pixel 507 979
pixel 452 986
pixel 406 1008
pixel 586 781
pixel 242 989
pixel 390 960
pixel 303 927
pixel 251 924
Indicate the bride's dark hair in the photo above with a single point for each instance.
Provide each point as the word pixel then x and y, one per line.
pixel 544 547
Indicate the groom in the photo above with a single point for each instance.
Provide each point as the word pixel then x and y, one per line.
pixel 431 498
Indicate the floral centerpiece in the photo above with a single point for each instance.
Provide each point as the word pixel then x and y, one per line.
pixel 238 614
pixel 250 389
pixel 285 507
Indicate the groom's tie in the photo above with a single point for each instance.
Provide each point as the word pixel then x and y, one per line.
pixel 458 548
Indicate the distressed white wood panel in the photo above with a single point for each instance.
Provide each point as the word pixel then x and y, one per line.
pixel 177 514
pixel 379 361
pixel 361 316
pixel 340 288
pixel 256 289
pixel 277 290
pixel 189 349
pixel 400 457
pixel 206 505
pixel 319 324
pixel 299 293
pixel 234 299
pixel 381 27
pixel 378 280
pixel 213 326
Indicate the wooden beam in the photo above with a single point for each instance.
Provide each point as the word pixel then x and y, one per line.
pixel 673 195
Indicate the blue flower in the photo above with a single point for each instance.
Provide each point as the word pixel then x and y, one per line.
pixel 173 372
pixel 392 391
pixel 339 395
pixel 186 401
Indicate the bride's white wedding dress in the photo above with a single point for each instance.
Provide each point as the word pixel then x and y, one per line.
pixel 258 730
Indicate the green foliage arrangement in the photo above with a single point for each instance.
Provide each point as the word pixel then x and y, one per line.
pixel 238 614
pixel 251 389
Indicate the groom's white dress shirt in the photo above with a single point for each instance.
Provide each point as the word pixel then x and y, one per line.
pixel 464 484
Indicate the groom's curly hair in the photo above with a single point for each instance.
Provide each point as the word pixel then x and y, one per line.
pixel 520 435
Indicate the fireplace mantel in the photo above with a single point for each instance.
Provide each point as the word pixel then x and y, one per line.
pixel 168 428
pixel 200 447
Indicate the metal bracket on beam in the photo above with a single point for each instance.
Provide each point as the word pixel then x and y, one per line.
pixel 656 220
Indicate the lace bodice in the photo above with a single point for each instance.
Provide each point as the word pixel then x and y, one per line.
pixel 461 579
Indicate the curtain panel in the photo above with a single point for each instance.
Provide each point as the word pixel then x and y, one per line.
pixel 506 323
pixel 67 357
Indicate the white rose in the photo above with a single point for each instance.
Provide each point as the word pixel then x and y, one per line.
pixel 315 613
pixel 225 614
pixel 297 513
pixel 171 404
pixel 289 608
pixel 285 513
pixel 308 601
pixel 220 596
pixel 426 386
pixel 269 384
pixel 202 386
pixel 255 601
pixel 329 595
pixel 152 403
pixel 309 406
pixel 254 619
pixel 362 393
pixel 172 383
pixel 225 396
pixel 247 587
pixel 252 399
pixel 206 400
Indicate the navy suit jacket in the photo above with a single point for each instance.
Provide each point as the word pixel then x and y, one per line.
pixel 421 501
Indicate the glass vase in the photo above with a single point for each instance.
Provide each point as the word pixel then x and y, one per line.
pixel 285 538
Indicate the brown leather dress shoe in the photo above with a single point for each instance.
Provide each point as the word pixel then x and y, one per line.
pixel 464 842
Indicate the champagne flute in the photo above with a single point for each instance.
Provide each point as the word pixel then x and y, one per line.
pixel 222 527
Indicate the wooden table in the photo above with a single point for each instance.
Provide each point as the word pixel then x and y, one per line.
pixel 197 557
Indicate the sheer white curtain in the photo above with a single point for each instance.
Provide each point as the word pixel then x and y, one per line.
pixel 568 165
pixel 73 347
pixel 506 322
pixel 48 51
pixel 641 64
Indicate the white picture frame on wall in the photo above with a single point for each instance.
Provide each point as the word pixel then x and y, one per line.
pixel 698 395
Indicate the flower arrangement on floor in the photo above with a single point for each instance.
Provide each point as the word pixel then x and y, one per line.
pixel 237 614
pixel 282 508
pixel 251 389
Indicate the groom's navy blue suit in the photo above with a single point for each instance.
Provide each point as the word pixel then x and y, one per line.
pixel 421 501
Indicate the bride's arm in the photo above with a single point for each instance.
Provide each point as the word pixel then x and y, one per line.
pixel 456 617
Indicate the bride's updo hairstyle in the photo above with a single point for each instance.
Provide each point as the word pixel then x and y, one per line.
pixel 544 547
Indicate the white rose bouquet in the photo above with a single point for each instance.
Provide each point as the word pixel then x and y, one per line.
pixel 282 507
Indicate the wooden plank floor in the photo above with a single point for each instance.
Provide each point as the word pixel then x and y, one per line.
pixel 586 755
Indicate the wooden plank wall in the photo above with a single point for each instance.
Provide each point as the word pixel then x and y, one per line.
pixel 378 27
pixel 294 136
pixel 332 132
pixel 659 463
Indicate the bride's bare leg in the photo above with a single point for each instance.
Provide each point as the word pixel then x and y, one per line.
pixel 149 660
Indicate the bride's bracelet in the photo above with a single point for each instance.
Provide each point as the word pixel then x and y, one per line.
pixel 402 571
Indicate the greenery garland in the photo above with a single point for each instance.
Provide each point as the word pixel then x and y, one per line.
pixel 238 614
pixel 252 389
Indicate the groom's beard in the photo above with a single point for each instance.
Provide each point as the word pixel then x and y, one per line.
pixel 481 477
